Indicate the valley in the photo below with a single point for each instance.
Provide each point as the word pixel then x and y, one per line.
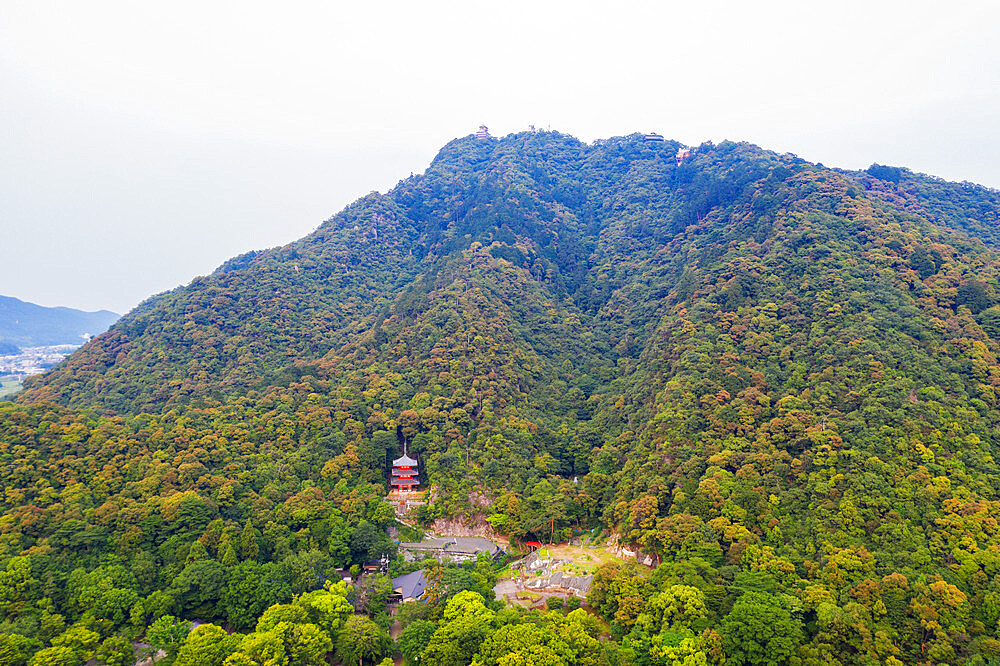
pixel 33 360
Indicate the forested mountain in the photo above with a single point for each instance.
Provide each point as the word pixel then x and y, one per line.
pixel 25 324
pixel 778 380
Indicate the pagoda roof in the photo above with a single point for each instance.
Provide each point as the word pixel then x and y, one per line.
pixel 404 482
pixel 405 461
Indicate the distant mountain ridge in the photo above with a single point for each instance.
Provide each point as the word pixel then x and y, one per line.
pixel 24 324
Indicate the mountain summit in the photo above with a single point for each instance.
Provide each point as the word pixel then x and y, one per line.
pixel 564 253
pixel 776 381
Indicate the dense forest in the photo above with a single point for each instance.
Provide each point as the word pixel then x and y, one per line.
pixel 778 381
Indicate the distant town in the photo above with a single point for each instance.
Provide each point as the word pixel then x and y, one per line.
pixel 33 361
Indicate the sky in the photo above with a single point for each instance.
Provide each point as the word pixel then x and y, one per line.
pixel 143 144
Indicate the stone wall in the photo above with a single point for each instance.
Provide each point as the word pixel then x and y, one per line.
pixel 623 551
pixel 462 527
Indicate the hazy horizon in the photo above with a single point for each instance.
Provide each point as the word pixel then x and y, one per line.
pixel 148 144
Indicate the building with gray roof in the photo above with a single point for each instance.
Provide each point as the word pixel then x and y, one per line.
pixel 455 549
pixel 410 587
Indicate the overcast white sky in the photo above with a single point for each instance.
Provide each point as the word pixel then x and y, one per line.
pixel 142 144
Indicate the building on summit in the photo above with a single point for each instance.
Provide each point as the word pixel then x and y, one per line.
pixel 652 136
pixel 483 133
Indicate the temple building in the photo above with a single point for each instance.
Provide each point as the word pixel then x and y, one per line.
pixel 409 587
pixel 404 474
pixel 450 548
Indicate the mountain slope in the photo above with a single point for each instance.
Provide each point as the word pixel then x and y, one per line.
pixel 779 381
pixel 551 194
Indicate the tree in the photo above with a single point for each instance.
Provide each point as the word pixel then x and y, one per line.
pixel 524 644
pixel 414 639
pixel 362 640
pixel 168 634
pixel 104 601
pixel 252 588
pixel 116 651
pixel 207 645
pixel 976 295
pixel 676 606
pixel 434 591
pixel 228 557
pixel 249 550
pixel 465 625
pixel 760 629
pixel 307 644
pixel 55 656
pixel 374 594
pixel 81 640
pixel 328 608
pixel 291 643
pixel 198 588
pixel 14 649
pixel 369 543
pixel 926 263
pixel 308 570
pixel 16 585
pixel 196 552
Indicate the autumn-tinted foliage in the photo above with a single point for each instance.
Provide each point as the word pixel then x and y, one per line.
pixel 779 381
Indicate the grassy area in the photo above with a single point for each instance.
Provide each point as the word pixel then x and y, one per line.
pixel 581 561
pixel 9 387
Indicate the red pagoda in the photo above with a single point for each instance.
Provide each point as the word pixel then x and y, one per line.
pixel 404 473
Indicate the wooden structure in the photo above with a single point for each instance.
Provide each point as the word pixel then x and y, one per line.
pixel 404 474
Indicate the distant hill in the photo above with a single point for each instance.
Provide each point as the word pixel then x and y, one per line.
pixel 25 324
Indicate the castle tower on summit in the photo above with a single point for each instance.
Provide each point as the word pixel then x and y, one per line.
pixel 483 133
pixel 404 473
